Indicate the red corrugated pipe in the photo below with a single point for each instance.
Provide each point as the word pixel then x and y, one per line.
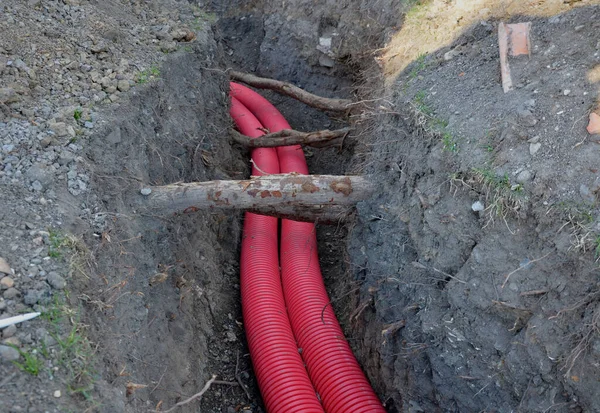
pixel 333 370
pixel 282 377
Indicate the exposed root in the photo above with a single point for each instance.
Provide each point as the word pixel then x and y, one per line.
pixel 191 399
pixel 521 267
pixel 285 88
pixel 591 330
pixel 285 137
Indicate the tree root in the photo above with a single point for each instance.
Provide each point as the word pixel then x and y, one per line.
pixel 286 137
pixel 285 88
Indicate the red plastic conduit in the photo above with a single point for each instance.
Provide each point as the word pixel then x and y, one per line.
pixel 280 371
pixel 331 365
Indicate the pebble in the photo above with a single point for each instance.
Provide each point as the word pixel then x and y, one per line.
pixel 534 147
pixel 11 293
pixel 4 267
pixel 57 394
pixel 123 85
pixel 9 331
pixel 31 297
pixel 478 206
pixel 56 281
pixel 8 353
pixel 7 282
pixel 524 176
pixel 526 118
pixel 146 191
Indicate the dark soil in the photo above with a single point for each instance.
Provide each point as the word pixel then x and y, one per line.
pixel 500 306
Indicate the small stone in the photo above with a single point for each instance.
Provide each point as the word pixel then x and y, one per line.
pixel 56 281
pixel 59 128
pixel 478 206
pixel 567 92
pixel 99 48
pixel 231 337
pixel 451 54
pixel 8 95
pixel 57 394
pixel 31 297
pixel 146 191
pixel 8 353
pixel 4 267
pixel 326 61
pixel 168 47
pixel 12 341
pixel 7 283
pixel 11 293
pixel 524 176
pixel 594 124
pixel 123 85
pixel 9 331
pixel 37 186
pixel 526 117
pixel 47 141
pixel 534 147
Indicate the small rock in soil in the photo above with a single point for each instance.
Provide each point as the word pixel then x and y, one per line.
pixel 56 281
pixel 31 297
pixel 146 191
pixel 526 118
pixel 477 206
pixel 9 331
pixel 534 147
pixel 7 282
pixel 4 267
pixel 11 293
pixel 524 176
pixel 8 353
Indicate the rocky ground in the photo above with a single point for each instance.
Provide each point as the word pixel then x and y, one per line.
pixel 65 68
pixel 469 283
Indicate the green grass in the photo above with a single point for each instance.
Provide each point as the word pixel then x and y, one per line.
pixel 73 350
pixel 31 364
pixel 597 247
pixel 77 114
pixel 434 124
pixel 502 196
pixel 420 103
pixel 147 75
pixel 57 244
pixel 449 142
pixel 419 65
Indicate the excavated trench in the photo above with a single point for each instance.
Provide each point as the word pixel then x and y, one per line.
pixel 164 305
pixel 164 301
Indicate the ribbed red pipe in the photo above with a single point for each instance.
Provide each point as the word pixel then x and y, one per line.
pixel 334 371
pixel 282 377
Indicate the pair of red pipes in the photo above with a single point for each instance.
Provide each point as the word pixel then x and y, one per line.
pixel 288 319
